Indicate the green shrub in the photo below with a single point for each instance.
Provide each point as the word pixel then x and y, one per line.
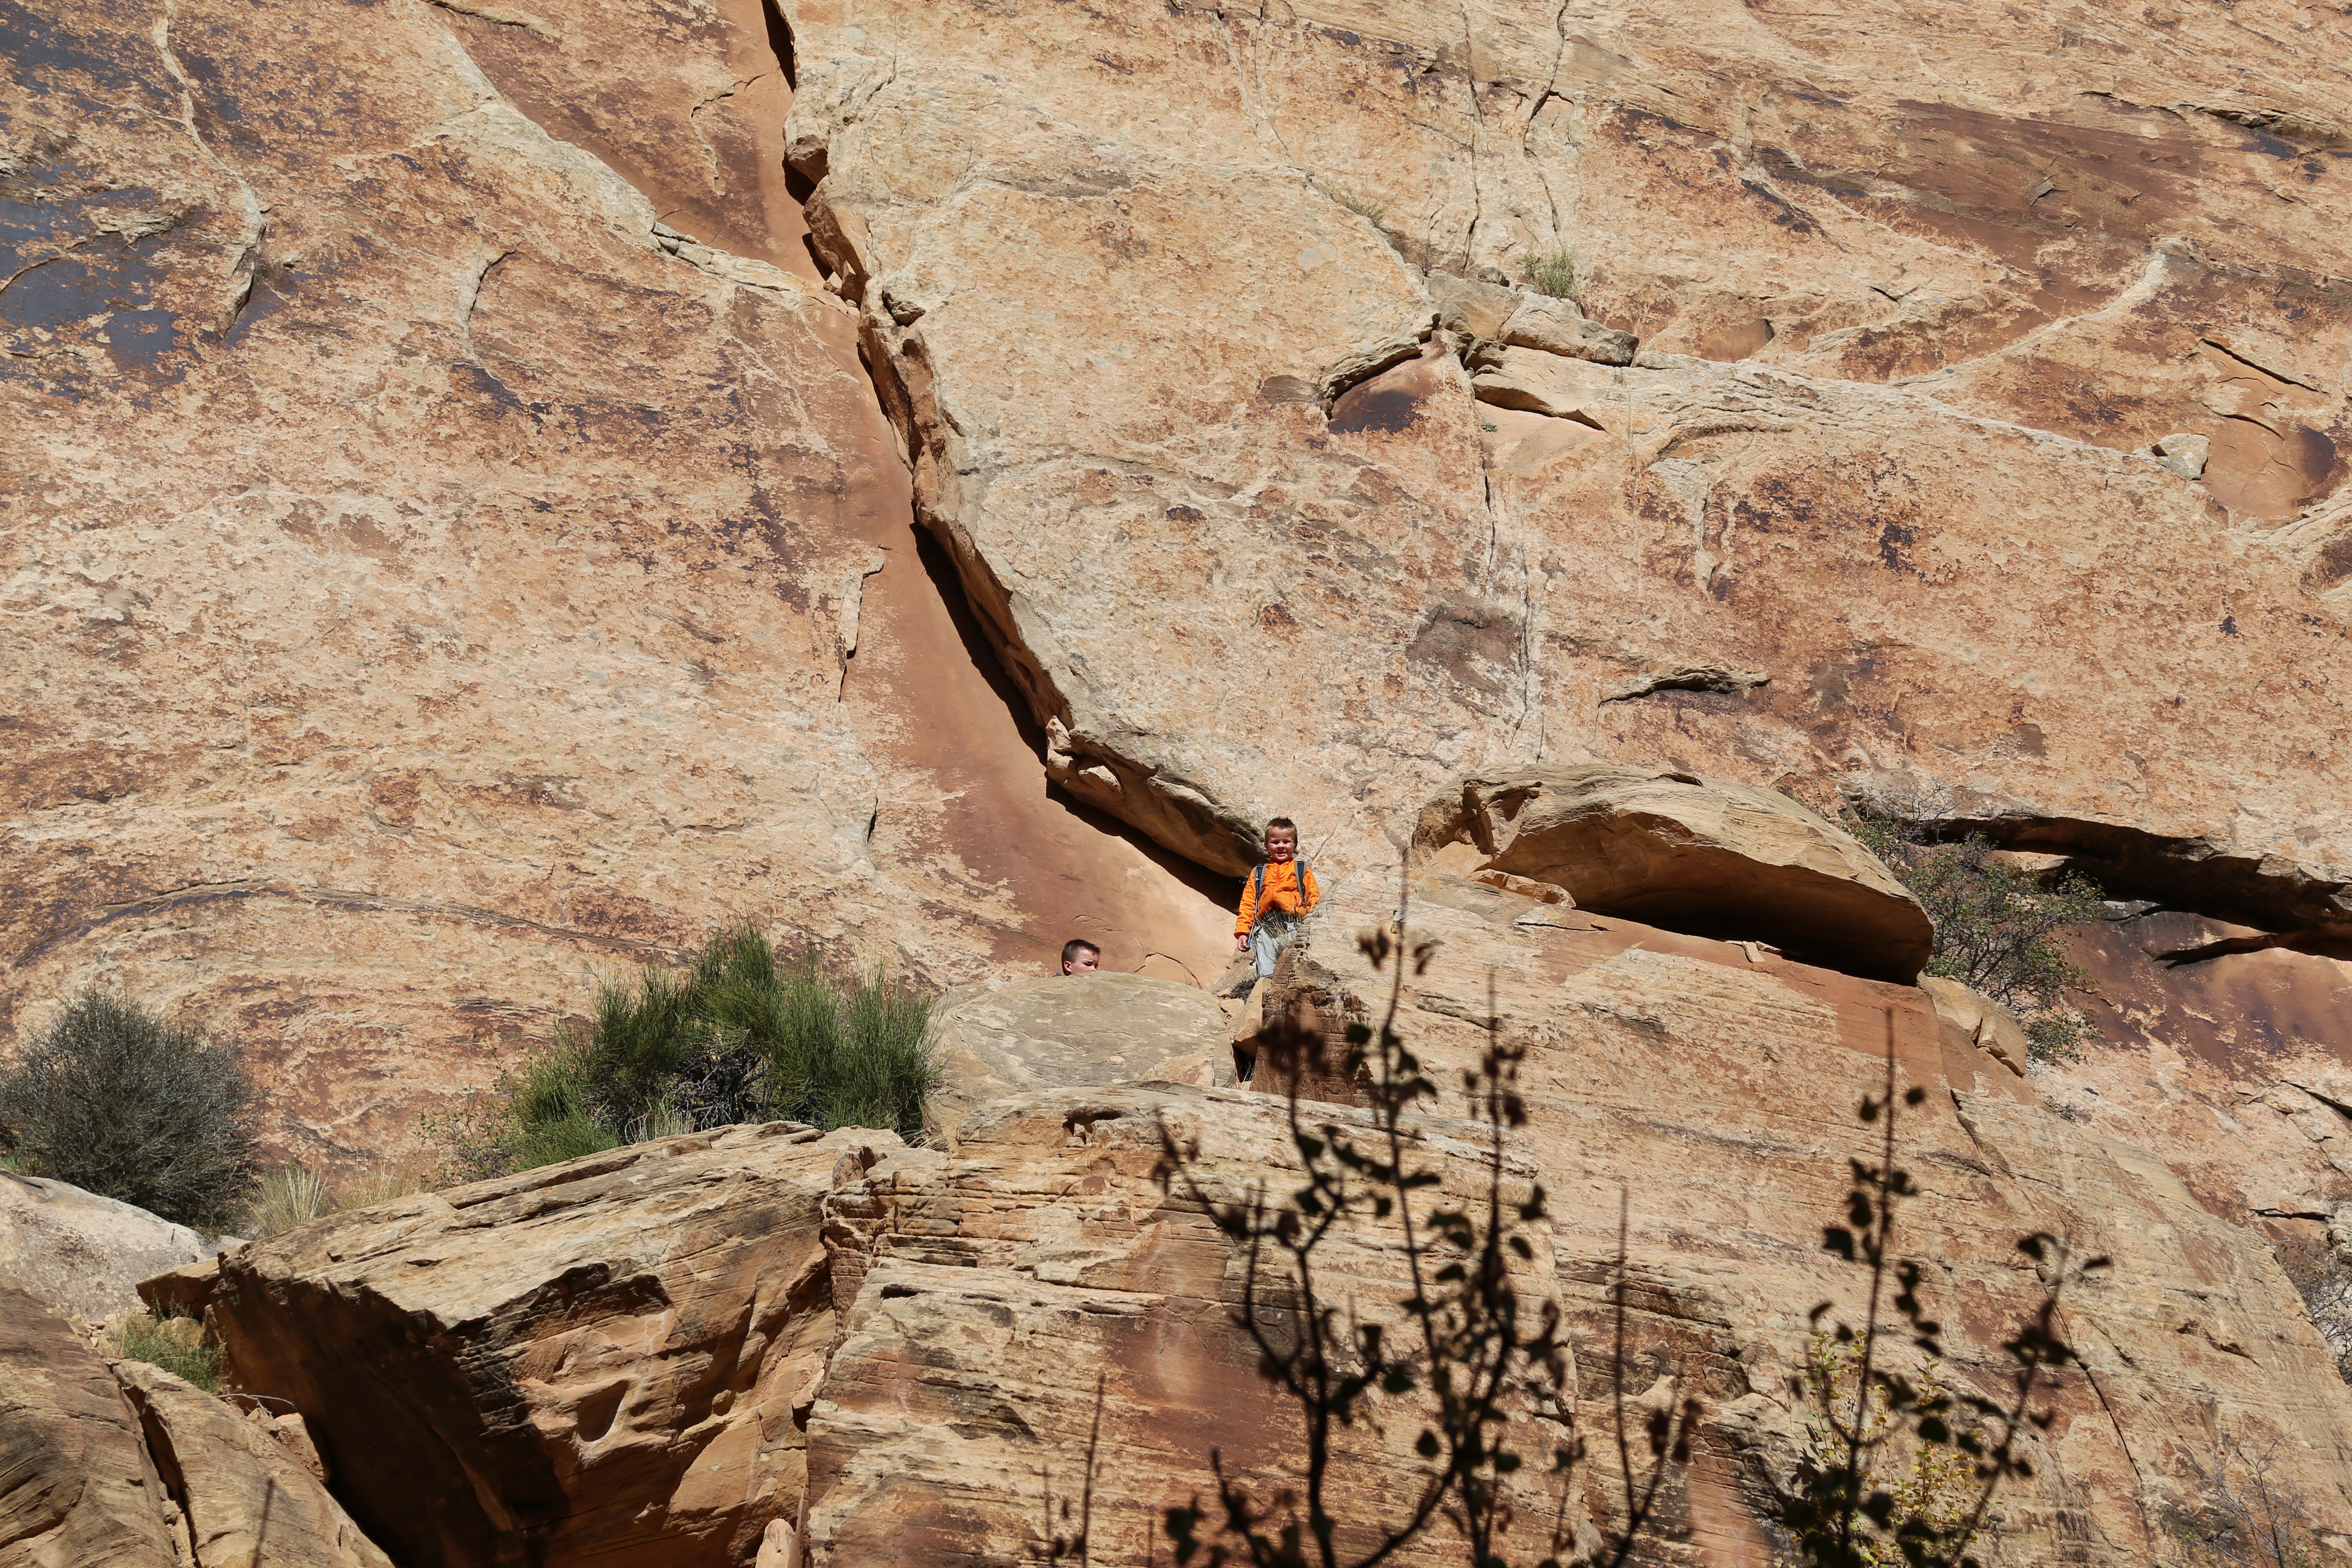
pixel 1996 926
pixel 1551 272
pixel 175 1344
pixel 112 1099
pixel 735 1036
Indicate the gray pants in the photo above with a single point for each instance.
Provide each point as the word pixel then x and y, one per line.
pixel 1272 934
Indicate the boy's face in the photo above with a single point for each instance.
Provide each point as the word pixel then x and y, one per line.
pixel 1281 843
pixel 1087 962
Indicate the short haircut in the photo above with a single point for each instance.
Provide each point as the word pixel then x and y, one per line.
pixel 1076 945
pixel 1281 822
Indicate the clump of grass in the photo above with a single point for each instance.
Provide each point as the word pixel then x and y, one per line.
pixel 176 1344
pixel 294 1194
pixel 113 1099
pixel 1364 207
pixel 1551 272
pixel 290 1195
pixel 737 1036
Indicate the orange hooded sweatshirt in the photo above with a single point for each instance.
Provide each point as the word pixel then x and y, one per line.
pixel 1283 891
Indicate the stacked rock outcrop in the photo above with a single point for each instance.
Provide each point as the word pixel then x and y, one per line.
pixel 608 1358
pixel 119 1463
pixel 765 1346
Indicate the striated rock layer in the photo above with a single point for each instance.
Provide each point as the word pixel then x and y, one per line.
pixel 605 1360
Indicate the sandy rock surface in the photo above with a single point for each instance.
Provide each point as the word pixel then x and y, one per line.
pixel 1040 1294
pixel 1914 305
pixel 79 1488
pixel 80 1254
pixel 246 1498
pixel 604 1359
pixel 1067 1032
pixel 454 551
pixel 1647 1047
pixel 1707 855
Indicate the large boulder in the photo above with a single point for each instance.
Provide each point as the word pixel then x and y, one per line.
pixel 1067 1031
pixel 600 1361
pixel 1709 856
pixel 82 1254
pixel 75 1488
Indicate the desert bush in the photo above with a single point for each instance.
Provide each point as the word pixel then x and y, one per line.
pixel 1898 1470
pixel 2246 1514
pixel 736 1036
pixel 1996 925
pixel 176 1344
pixel 2323 1278
pixel 112 1098
pixel 1551 272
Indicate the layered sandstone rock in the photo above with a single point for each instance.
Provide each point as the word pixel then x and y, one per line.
pixel 79 1488
pixel 81 1254
pixel 1705 856
pixel 1039 1319
pixel 246 1499
pixel 604 1359
pixel 1714 1085
pixel 1069 1032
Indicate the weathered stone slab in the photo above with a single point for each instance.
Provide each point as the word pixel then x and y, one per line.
pixel 82 1254
pixel 1068 1031
pixel 1707 856
pixel 75 1489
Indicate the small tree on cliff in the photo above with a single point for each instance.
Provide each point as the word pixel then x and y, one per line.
pixel 1996 926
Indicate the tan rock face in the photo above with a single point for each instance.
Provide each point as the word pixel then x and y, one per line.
pixel 1715 1088
pixel 1697 855
pixel 606 1359
pixel 82 1255
pixel 246 1498
pixel 987 1298
pixel 1065 1032
pixel 439 569
pixel 79 1488
pixel 1913 317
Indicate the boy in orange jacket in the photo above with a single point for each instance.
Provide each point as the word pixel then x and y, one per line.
pixel 1274 898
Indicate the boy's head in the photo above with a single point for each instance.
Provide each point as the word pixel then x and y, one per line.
pixel 1081 956
pixel 1281 839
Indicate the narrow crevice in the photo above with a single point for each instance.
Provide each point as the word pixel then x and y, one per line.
pixel 780 43
pixel 2194 876
pixel 939 567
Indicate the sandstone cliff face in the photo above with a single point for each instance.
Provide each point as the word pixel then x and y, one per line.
pixel 1876 497
pixel 435 564
pixel 1647 1046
